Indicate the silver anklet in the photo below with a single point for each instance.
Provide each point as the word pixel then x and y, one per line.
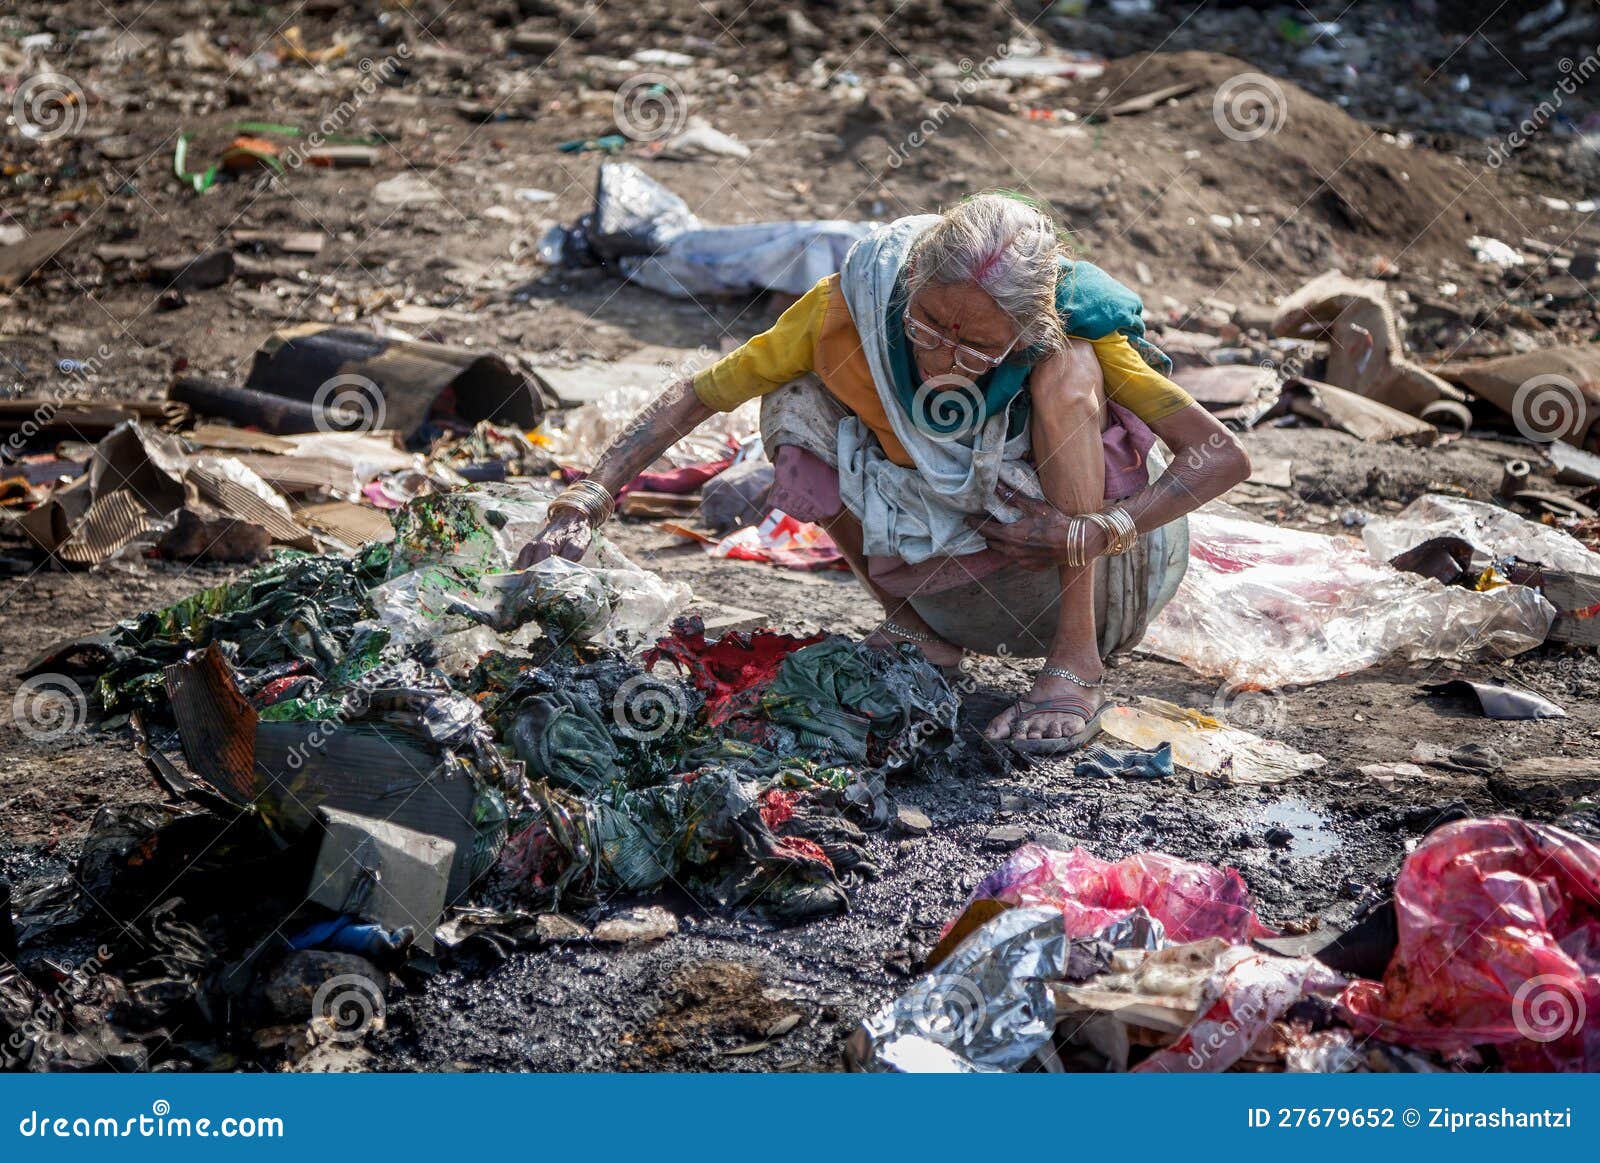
pixel 1063 672
pixel 909 635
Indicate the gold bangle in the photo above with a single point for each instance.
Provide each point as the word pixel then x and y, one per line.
pixel 589 499
pixel 1130 529
pixel 1121 531
pixel 1078 542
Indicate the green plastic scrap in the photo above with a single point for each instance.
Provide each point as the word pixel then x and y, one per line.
pixel 201 181
pixel 610 143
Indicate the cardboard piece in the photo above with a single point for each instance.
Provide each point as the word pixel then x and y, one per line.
pixel 382 872
pixel 1366 352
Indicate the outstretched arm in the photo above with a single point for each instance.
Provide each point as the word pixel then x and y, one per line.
pixel 668 419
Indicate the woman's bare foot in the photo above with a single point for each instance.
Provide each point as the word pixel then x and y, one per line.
pixel 1070 706
pixel 938 651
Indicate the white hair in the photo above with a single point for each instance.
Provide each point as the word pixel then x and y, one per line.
pixel 1008 248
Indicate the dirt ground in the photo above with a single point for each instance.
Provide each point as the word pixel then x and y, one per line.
pixel 1139 192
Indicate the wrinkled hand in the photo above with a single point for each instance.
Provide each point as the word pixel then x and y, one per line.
pixel 1036 540
pixel 566 534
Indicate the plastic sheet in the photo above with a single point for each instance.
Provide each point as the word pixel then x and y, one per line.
pixel 1263 606
pixel 1192 901
pixel 1499 923
pixel 1490 529
pixel 657 241
pixel 788 257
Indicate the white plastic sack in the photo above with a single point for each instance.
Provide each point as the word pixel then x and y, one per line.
pixel 741 260
pixel 1263 606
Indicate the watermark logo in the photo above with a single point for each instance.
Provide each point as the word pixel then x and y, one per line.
pixel 1249 106
pixel 1547 408
pixel 645 709
pixel 1249 710
pixel 650 107
pixel 348 1007
pixel 48 706
pixel 373 75
pixel 947 1007
pixel 348 403
pixel 77 986
pixel 973 76
pixel 80 374
pixel 1547 1008
pixel 48 107
pixel 947 408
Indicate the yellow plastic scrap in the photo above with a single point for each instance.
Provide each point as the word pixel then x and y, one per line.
pixel 295 48
pixel 1203 744
pixel 1489 579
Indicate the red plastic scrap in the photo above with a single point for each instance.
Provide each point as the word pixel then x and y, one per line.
pixel 1193 901
pixel 732 671
pixel 1499 924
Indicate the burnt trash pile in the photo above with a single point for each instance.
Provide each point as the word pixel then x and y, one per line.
pixel 414 754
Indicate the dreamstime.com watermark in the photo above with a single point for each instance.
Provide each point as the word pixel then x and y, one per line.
pixel 972 76
pixel 1249 106
pixel 160 1123
pixel 75 987
pixel 338 119
pixel 357 701
pixel 47 107
pixel 78 373
pixel 1577 74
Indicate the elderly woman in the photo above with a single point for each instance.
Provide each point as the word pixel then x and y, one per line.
pixel 972 416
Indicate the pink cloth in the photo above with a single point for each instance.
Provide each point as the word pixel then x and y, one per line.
pixel 807 487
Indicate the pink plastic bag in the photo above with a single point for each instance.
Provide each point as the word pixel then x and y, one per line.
pixel 1499 925
pixel 1193 901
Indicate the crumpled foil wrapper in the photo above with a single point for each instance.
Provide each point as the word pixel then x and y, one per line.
pixel 988 1008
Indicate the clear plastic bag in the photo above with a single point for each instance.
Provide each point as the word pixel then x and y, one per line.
pixel 1494 531
pixel 584 432
pixel 1263 606
pixel 452 570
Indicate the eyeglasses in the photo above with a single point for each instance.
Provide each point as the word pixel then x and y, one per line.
pixel 968 359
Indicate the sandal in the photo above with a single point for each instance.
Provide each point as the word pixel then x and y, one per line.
pixel 1072 704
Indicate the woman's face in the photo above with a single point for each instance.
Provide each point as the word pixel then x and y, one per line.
pixel 961 313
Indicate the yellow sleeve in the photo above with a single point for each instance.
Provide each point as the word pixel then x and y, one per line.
pixel 1136 385
pixel 771 359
